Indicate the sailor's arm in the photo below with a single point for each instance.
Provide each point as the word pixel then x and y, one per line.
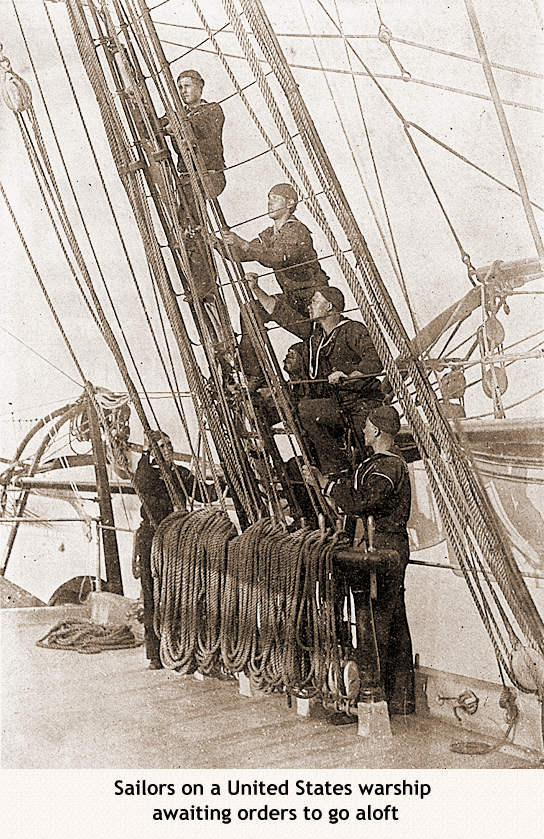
pixel 291 246
pixel 193 488
pixel 237 249
pixel 361 502
pixel 267 301
pixel 279 310
pixel 341 494
pixel 233 247
pixel 360 342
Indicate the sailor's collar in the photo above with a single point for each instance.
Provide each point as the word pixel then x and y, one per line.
pixel 323 342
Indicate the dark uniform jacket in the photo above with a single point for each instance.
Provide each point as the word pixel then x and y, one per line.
pixel 347 348
pixel 380 487
pixel 207 119
pixel 290 252
pixel 150 485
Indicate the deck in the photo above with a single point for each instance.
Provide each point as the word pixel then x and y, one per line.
pixel 65 710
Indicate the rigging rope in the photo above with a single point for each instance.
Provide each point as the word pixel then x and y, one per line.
pixel 460 498
pixel 371 37
pixel 395 263
pixel 115 139
pixel 109 202
pixel 263 352
pixel 42 287
pixel 505 128
pixel 43 358
pixel 41 166
pixel 470 162
pixel 387 76
pixel 131 180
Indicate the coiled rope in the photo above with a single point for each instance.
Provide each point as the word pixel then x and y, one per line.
pixel 87 637
pixel 187 562
pixel 262 603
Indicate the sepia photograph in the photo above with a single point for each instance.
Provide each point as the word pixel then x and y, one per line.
pixel 272 400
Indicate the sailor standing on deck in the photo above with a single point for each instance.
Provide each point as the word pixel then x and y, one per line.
pixel 380 487
pixel 152 489
pixel 286 247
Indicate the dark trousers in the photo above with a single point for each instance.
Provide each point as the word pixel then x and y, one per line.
pixel 325 421
pixel 152 642
pixel 298 301
pixel 200 261
pixel 384 625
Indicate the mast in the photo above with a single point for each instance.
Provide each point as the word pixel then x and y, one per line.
pixel 109 536
pixel 505 128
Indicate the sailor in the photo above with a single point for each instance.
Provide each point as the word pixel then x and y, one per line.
pixel 287 247
pixel 152 489
pixel 297 387
pixel 342 368
pixel 206 121
pixel 295 365
pixel 380 487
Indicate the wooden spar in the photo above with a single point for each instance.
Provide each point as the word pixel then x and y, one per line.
pixel 429 334
pixel 514 273
pixel 505 276
pixel 505 128
pixel 109 537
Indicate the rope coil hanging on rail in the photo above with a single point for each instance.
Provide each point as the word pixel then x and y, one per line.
pixel 261 603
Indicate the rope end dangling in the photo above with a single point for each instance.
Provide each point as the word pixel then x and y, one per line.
pixel 15 92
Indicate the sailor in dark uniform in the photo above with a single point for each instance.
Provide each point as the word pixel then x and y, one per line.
pixel 380 487
pixel 342 365
pixel 286 247
pixel 206 121
pixel 158 505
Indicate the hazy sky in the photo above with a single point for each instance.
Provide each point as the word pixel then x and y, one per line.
pixel 488 219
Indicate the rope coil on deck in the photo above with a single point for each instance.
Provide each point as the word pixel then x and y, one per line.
pixel 87 637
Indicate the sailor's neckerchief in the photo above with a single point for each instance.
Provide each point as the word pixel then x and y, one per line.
pixel 313 364
pixel 152 460
pixel 276 232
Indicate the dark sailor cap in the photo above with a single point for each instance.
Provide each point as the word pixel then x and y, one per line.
pixel 386 418
pixel 333 295
pixel 286 190
pixel 191 74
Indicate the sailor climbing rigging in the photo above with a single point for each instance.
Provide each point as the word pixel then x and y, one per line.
pixel 207 120
pixel 286 247
pixel 342 368
pixel 205 126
